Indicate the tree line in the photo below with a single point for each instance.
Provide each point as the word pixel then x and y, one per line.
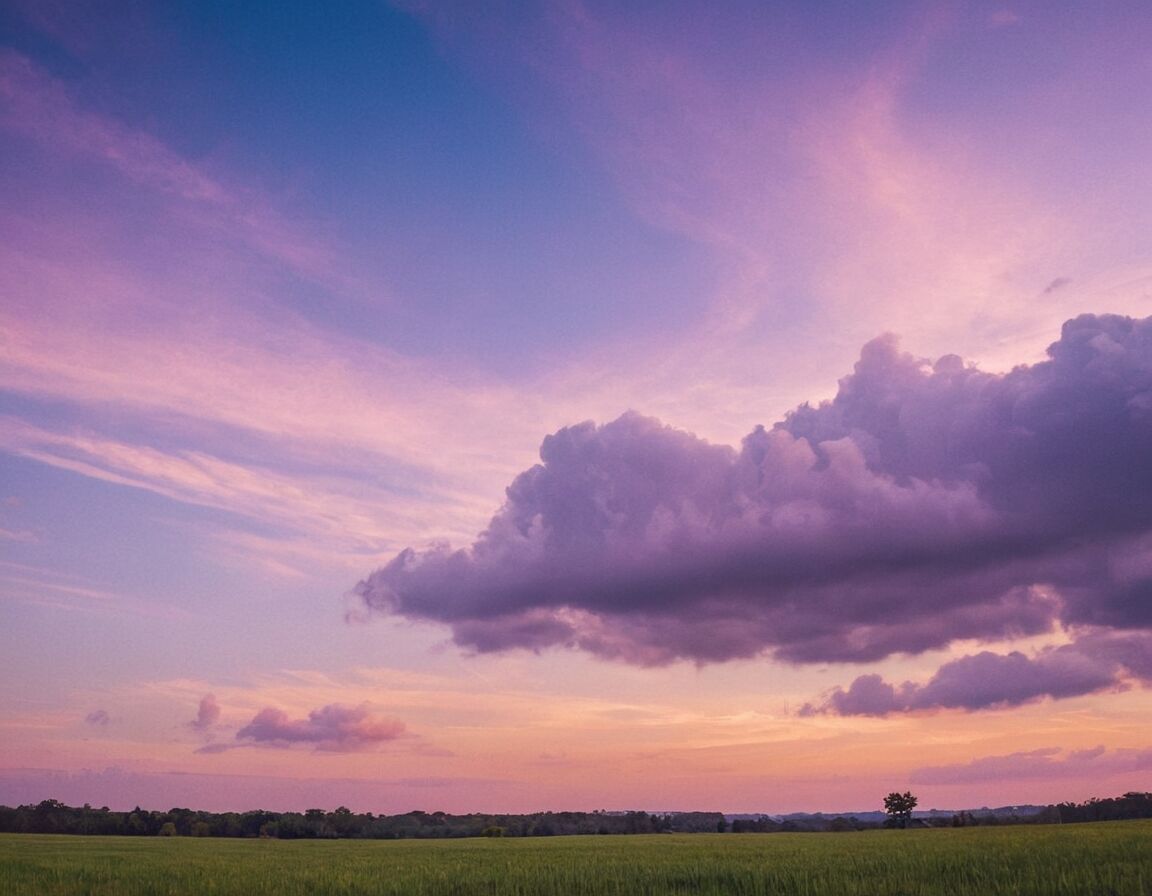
pixel 1131 805
pixel 54 817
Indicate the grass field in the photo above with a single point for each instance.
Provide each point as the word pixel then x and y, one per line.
pixel 1103 859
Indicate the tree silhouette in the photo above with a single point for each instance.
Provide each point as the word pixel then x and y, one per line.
pixel 899 807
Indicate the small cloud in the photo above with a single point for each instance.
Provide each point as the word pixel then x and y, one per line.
pixel 1058 283
pixel 98 717
pixel 1003 18
pixel 868 695
pixel 207 715
pixel 211 749
pixel 333 727
pixel 554 760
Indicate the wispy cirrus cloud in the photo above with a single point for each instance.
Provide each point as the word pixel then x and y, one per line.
pixel 74 593
pixel 240 369
pixel 40 107
pixel 24 536
pixel 1047 762
pixel 255 403
pixel 336 511
pixel 832 199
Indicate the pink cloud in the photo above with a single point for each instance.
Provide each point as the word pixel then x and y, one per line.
pixel 38 106
pixel 23 536
pixel 1050 762
pixel 331 728
pixel 256 402
pixel 207 715
pixel 69 592
pixel 806 176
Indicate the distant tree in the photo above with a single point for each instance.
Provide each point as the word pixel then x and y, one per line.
pixel 899 807
pixel 137 825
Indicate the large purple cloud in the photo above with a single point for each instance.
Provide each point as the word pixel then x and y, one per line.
pixel 926 503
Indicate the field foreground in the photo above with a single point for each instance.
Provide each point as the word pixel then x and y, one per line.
pixel 1103 859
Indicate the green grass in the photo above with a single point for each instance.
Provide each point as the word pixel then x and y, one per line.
pixel 1103 859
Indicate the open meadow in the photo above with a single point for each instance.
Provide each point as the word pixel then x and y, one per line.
pixel 1104 859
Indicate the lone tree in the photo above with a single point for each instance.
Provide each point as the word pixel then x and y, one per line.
pixel 899 807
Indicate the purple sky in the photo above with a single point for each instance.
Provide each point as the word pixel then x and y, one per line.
pixel 574 405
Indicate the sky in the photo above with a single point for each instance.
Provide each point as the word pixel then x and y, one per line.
pixel 574 405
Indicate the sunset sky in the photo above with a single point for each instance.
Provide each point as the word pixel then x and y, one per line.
pixel 515 406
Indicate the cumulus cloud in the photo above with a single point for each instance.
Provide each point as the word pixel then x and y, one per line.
pixel 1049 762
pixel 333 727
pixel 1093 663
pixel 207 715
pixel 926 503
